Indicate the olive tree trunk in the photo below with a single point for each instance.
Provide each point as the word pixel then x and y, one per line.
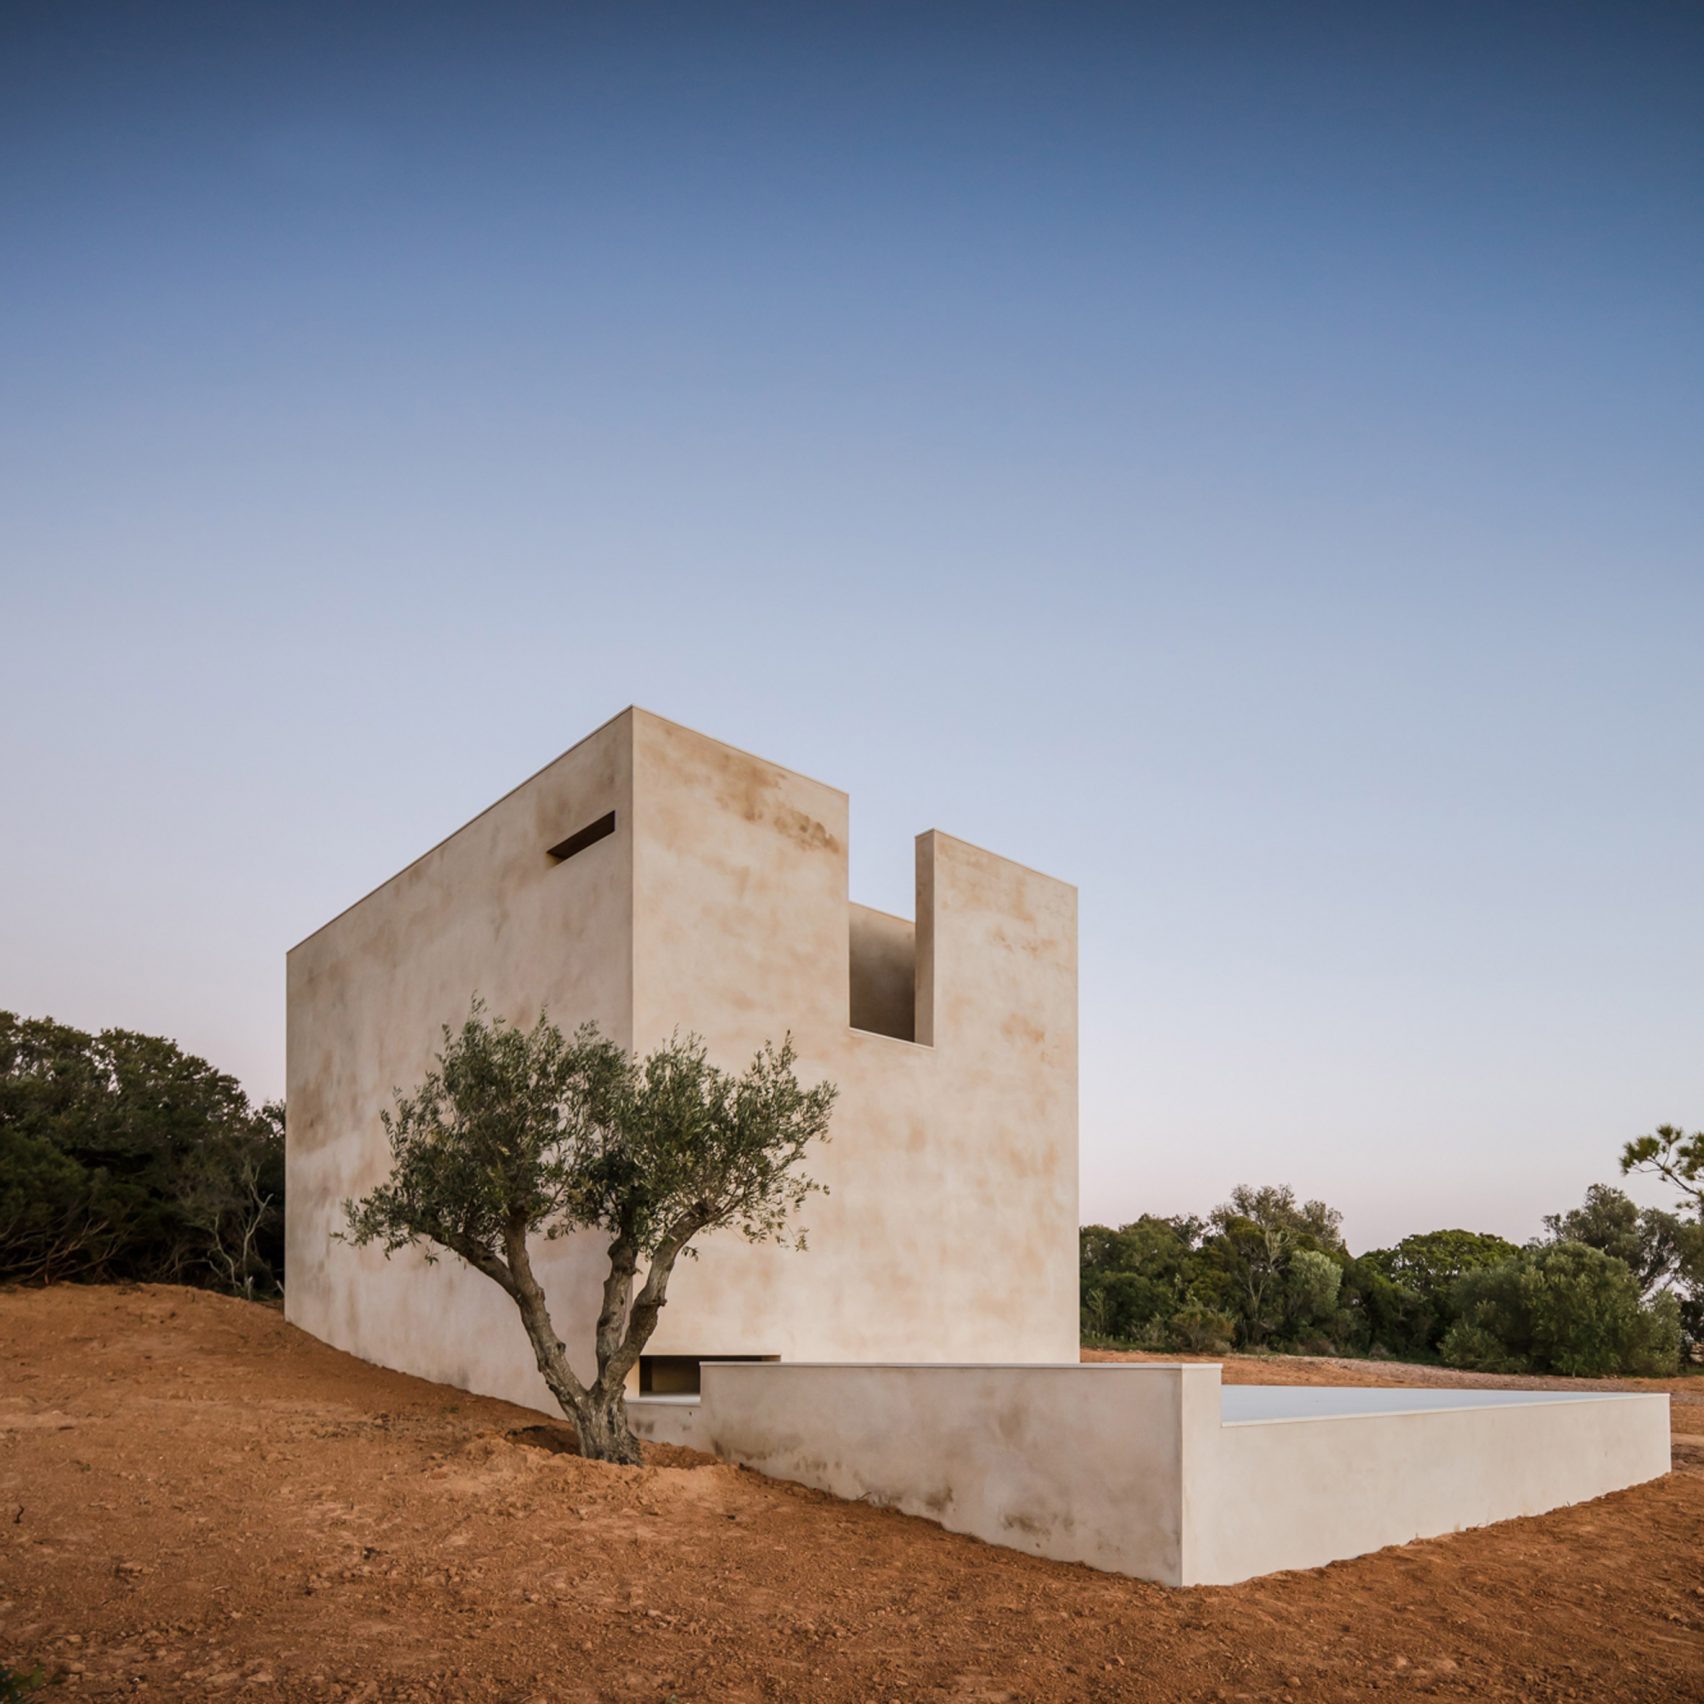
pixel 625 1325
pixel 604 1432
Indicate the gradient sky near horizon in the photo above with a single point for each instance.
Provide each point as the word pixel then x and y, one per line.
pixel 1246 460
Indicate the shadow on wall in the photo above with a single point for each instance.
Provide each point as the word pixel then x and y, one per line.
pixel 884 974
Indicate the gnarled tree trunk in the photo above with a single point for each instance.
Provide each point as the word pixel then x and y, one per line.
pixel 625 1325
pixel 603 1430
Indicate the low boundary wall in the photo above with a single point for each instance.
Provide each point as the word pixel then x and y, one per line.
pixel 1143 1470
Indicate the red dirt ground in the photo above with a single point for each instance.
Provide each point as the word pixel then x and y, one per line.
pixel 197 1501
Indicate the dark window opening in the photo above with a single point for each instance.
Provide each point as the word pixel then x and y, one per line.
pixel 590 835
pixel 677 1375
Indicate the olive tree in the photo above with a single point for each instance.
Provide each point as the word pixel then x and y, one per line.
pixel 520 1133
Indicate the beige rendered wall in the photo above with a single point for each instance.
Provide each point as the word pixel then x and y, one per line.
pixel 486 911
pixel 719 905
pixel 1130 1468
pixel 950 1229
pixel 1083 1464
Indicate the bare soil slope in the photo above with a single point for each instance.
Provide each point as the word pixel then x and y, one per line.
pixel 197 1501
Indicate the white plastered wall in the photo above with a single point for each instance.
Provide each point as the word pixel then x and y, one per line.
pixel 1133 1470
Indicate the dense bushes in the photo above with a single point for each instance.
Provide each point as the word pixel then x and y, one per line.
pixel 1261 1269
pixel 1402 1300
pixel 1562 1308
pixel 1613 1288
pixel 123 1157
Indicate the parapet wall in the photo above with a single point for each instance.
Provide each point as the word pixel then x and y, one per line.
pixel 1146 1470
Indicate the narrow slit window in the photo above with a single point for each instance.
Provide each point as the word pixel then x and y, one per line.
pixel 679 1375
pixel 590 835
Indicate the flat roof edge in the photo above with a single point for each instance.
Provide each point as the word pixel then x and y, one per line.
pixel 462 827
pixel 989 852
pixel 634 710
pixel 728 745
pixel 1546 1399
pixel 969 1366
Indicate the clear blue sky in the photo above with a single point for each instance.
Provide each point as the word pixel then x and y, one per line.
pixel 1244 460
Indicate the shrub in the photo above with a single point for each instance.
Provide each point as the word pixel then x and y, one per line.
pixel 1135 1278
pixel 1314 1343
pixel 58 1219
pixel 1198 1330
pixel 1476 1349
pixel 1562 1308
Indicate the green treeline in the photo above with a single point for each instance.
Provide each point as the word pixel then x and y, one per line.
pixel 1610 1288
pixel 123 1157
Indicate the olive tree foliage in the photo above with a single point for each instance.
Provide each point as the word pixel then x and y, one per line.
pixel 518 1133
